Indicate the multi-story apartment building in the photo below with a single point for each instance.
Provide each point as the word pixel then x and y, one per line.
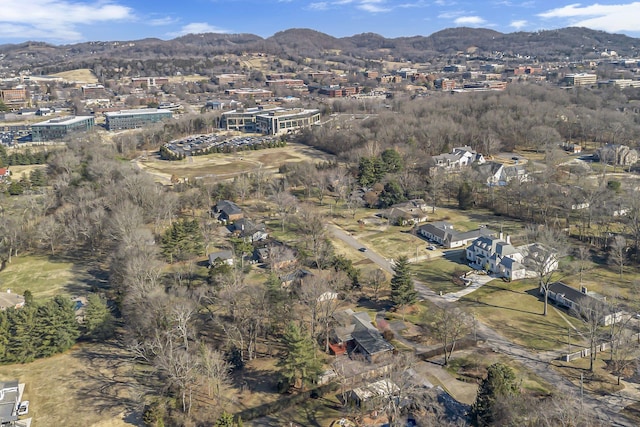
pixel 60 127
pixel 133 119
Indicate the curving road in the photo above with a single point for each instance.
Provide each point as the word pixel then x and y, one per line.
pixel 605 408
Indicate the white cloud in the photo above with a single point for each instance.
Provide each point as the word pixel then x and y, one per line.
pixel 451 14
pixel 56 19
pixel 196 28
pixel 521 23
pixel 373 6
pixel 610 18
pixel 167 20
pixel 469 20
pixel 322 5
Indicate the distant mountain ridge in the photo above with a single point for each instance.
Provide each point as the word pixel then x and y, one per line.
pixel 571 43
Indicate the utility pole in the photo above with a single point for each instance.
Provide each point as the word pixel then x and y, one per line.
pixel 569 339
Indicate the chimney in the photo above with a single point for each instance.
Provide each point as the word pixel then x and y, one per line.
pixel 501 236
pixel 583 289
pixel 508 239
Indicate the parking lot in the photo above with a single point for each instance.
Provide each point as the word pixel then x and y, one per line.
pixel 200 144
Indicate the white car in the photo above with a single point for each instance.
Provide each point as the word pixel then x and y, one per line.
pixel 23 408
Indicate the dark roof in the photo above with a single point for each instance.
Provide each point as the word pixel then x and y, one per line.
pixel 568 293
pixel 371 341
pixel 228 207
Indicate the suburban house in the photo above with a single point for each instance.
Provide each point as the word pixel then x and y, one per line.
pixel 277 255
pixel 443 233
pixel 226 210
pixel 358 336
pixel 571 298
pixel 225 257
pixel 4 173
pixel 498 256
pixel 10 397
pixel 616 154
pixel 458 158
pixel 497 174
pixel 10 300
pixel 294 278
pixel 249 230
pixel 410 212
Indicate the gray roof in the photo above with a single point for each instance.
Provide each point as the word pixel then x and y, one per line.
pixel 223 255
pixel 511 264
pixel 568 293
pixel 9 395
pixel 371 342
pixel 228 207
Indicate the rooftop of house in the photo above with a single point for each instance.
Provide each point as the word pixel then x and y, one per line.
pixel 572 294
pixel 222 255
pixel 9 396
pixel 228 207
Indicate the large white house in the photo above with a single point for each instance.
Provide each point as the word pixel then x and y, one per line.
pixel 459 157
pixel 498 256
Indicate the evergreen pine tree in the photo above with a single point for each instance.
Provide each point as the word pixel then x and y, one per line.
pixel 300 365
pixel 402 289
pixel 499 383
pixel 98 320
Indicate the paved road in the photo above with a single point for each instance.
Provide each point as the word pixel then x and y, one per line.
pixel 606 408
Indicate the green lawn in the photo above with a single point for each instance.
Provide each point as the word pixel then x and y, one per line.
pixel 44 276
pixel 437 274
pixel 515 310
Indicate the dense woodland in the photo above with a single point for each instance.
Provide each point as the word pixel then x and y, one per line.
pixel 194 329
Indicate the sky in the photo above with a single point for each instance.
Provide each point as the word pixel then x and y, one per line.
pixel 70 21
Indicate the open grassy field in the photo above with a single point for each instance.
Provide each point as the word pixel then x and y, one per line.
pixel 471 365
pixel 80 75
pixel 225 166
pixel 91 385
pixel 515 310
pixel 437 274
pixel 45 276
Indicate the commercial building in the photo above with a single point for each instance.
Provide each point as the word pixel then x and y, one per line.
pixel 133 119
pixel 580 79
pixel 93 91
pixel 247 92
pixel 149 81
pixel 284 121
pixel 59 127
pixel 243 119
pixel 15 96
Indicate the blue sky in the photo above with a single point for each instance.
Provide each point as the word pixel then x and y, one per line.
pixel 70 21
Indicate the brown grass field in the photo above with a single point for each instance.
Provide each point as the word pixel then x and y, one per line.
pixel 80 75
pixel 92 385
pixel 226 166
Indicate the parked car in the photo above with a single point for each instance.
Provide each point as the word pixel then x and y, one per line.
pixel 363 249
pixel 23 408
pixel 431 248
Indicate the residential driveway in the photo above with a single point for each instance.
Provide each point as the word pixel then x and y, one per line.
pixel 477 281
pixel 355 244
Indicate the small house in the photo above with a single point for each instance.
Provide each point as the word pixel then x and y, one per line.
pixel 225 257
pixel 227 211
